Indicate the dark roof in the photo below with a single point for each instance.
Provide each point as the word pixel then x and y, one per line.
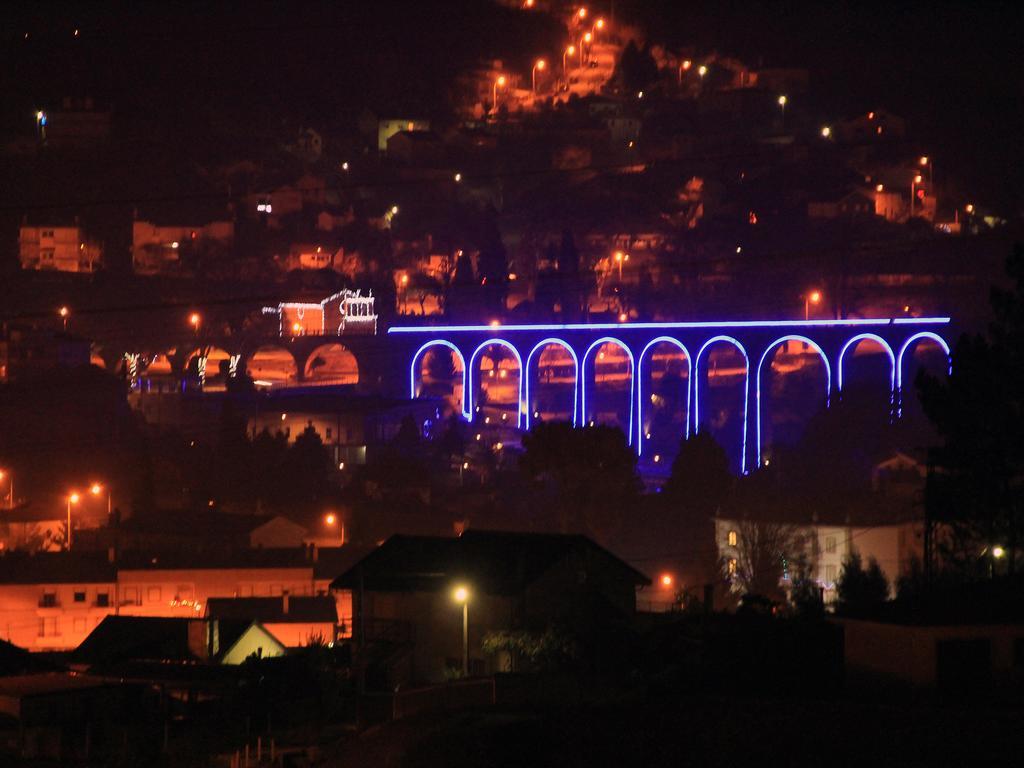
pixel 270 610
pixel 146 638
pixel 56 568
pixel 17 661
pixel 214 559
pixel 495 562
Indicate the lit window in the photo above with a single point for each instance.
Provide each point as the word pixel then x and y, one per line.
pixel 731 566
pixel 732 538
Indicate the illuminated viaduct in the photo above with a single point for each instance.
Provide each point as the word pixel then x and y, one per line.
pixel 832 340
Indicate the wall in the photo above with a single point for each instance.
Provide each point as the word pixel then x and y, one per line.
pixel 909 653
pixel 24 622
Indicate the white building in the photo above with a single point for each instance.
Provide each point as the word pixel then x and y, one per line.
pixel 58 248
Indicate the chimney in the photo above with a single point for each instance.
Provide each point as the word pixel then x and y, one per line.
pixel 285 603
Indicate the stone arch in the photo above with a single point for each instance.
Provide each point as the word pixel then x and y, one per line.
pixel 458 392
pixel 539 350
pixel 474 378
pixel 208 366
pixel 907 345
pixel 592 350
pixel 770 349
pixel 271 365
pixel 641 434
pixel 331 364
pixel 735 343
pixel 852 344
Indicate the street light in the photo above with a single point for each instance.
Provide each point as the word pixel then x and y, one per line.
pixel 73 498
pixel 782 100
pixel 666 580
pixel 10 486
pixel 64 313
pixel 702 70
pixel 826 132
pixel 194 320
pixel 461 595
pixel 499 82
pixel 96 489
pixel 571 50
pixel 537 66
pixel 814 297
pixel 620 257
pixel 684 67
pixel 584 42
pixel 914 181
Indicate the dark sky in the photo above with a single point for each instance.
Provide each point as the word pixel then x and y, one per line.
pixel 954 69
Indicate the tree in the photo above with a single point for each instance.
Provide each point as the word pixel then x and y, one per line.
pixel 862 593
pixel 763 551
pixel 976 475
pixel 700 478
pixel 592 471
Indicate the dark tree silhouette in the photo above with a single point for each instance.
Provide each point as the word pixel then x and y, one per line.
pixel 974 479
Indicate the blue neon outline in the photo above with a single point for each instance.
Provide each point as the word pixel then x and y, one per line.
pixel 576 377
pixel 852 343
pixel 472 366
pixel 640 384
pixel 757 398
pixel 632 381
pixel 898 392
pixel 746 391
pixel 906 344
pixel 424 348
pixel 852 322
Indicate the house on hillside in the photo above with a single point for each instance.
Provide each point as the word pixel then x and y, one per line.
pixel 125 639
pixel 295 621
pixel 402 595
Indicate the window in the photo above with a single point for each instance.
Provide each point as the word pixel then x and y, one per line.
pixel 46 255
pixel 79 597
pixel 732 538
pixel 731 566
pixel 46 233
pixel 830 544
pixel 131 596
pixel 153 594
pixel 48 600
pixel 102 599
pixel 48 626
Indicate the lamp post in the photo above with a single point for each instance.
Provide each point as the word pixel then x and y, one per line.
pixel 73 498
pixel 461 595
pixel 620 257
pixel 567 52
pixel 195 320
pixel 684 67
pixel 813 297
pixel 64 313
pixel 499 82
pixel 584 41
pixel 783 100
pixel 537 66
pixel 10 486
pixel 914 181
pixel 96 489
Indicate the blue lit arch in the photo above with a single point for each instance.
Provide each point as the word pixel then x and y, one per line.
pixel 576 376
pixel 852 343
pixel 899 361
pixel 746 391
pixel 768 349
pixel 632 380
pixel 420 352
pixel 640 383
pixel 472 368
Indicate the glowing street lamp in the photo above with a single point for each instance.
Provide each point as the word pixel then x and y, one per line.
pixel 64 313
pixel 581 13
pixel 571 50
pixel 782 101
pixel 702 70
pixel 538 66
pixel 914 181
pixel 666 580
pixel 10 486
pixel 499 82
pixel 826 132
pixel 96 489
pixel 684 67
pixel 461 595
pixel 584 42
pixel 812 297
pixel 296 328
pixel 73 498
pixel 620 257
pixel 195 320
pixel 598 26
